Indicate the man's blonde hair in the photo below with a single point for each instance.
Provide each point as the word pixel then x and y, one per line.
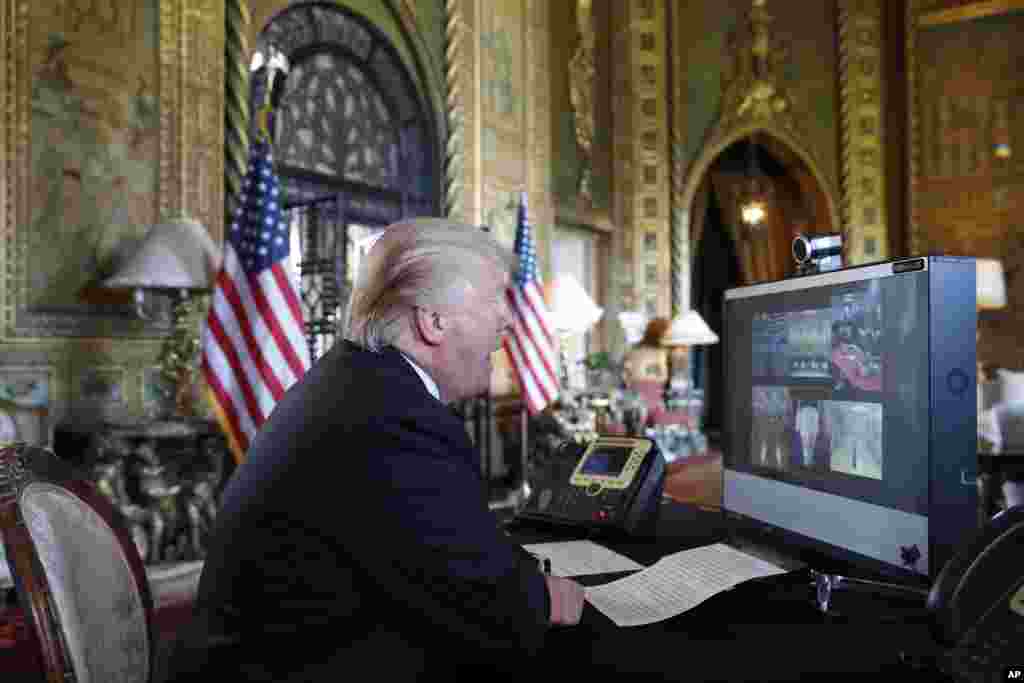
pixel 429 262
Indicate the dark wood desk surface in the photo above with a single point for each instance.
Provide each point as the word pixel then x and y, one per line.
pixel 761 631
pixel 765 630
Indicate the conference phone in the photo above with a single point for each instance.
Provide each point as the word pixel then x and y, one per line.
pixel 615 484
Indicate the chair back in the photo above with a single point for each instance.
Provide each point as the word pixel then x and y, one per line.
pixel 77 573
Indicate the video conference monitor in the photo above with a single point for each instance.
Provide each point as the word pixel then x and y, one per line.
pixel 850 416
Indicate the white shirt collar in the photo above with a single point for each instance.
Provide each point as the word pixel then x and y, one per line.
pixel 427 380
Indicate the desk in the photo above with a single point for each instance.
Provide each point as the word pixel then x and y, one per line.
pixel 761 631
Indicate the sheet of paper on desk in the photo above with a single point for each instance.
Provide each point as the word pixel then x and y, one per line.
pixel 578 558
pixel 676 583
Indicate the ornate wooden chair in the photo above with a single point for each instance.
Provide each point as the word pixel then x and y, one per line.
pixel 76 570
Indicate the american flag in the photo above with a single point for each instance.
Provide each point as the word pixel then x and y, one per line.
pixel 531 346
pixel 253 346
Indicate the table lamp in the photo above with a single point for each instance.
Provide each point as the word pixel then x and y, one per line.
pixel 685 331
pixel 990 284
pixel 633 325
pixel 571 311
pixel 176 258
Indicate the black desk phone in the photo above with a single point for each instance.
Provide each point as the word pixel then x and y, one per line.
pixel 616 483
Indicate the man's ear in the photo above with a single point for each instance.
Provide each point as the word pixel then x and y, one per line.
pixel 431 325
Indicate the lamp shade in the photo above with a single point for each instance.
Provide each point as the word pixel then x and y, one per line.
pixel 176 254
pixel 688 329
pixel 991 284
pixel 633 324
pixel 572 309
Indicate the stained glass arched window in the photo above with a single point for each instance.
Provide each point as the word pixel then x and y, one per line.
pixel 355 145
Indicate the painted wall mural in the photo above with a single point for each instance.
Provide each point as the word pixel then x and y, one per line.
pixel 111 117
pixel 502 83
pixel 94 163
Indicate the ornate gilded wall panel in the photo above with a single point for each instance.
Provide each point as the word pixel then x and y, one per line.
pixel 641 197
pixel 192 99
pixel 90 154
pixel 582 73
pixel 537 152
pixel 14 146
pixel 861 73
pixel 755 98
pixel 204 90
pixel 83 98
pixel 624 289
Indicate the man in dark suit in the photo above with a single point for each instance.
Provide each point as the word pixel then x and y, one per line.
pixel 356 537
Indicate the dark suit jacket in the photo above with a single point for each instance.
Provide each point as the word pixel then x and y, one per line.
pixel 356 538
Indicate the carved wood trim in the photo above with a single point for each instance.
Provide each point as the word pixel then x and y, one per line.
pixel 863 131
pixel 454 145
pixel 915 240
pixel 14 151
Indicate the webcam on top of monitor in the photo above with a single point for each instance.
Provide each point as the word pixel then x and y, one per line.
pixel 817 253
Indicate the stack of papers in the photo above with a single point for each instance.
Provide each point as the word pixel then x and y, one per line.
pixel 676 583
pixel 579 558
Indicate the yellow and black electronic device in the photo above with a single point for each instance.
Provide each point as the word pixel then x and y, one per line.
pixel 616 483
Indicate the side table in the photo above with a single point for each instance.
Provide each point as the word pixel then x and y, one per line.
pixel 165 476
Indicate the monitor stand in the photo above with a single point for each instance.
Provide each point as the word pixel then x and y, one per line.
pixel 828 585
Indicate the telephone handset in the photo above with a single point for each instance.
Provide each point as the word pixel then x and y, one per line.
pixel 978 601
pixel 616 483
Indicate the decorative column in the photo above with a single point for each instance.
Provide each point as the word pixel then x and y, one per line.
pixel 679 266
pixel 236 110
pixel 453 167
pixel 863 166
pixel 641 142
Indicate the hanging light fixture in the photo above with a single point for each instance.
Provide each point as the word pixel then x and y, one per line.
pixel 754 191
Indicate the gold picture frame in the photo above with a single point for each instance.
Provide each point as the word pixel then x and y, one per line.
pixel 188 108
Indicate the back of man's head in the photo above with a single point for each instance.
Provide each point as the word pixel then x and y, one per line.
pixel 419 262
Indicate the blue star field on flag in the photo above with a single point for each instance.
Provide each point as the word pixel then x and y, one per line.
pixel 525 249
pixel 259 232
pixel 531 345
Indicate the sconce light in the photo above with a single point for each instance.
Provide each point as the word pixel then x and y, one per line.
pixel 754 192
pixel 176 258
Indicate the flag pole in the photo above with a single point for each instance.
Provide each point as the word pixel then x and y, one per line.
pixel 238 411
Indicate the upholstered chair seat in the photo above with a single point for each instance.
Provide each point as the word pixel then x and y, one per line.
pixel 77 572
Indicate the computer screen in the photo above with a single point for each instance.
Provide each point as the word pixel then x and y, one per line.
pixel 830 421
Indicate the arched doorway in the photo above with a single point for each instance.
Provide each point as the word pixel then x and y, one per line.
pixel 356 148
pixel 729 253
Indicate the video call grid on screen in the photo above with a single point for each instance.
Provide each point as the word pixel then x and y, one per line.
pixel 828 385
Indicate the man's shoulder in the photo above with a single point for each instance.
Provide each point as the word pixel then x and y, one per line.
pixel 361 375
